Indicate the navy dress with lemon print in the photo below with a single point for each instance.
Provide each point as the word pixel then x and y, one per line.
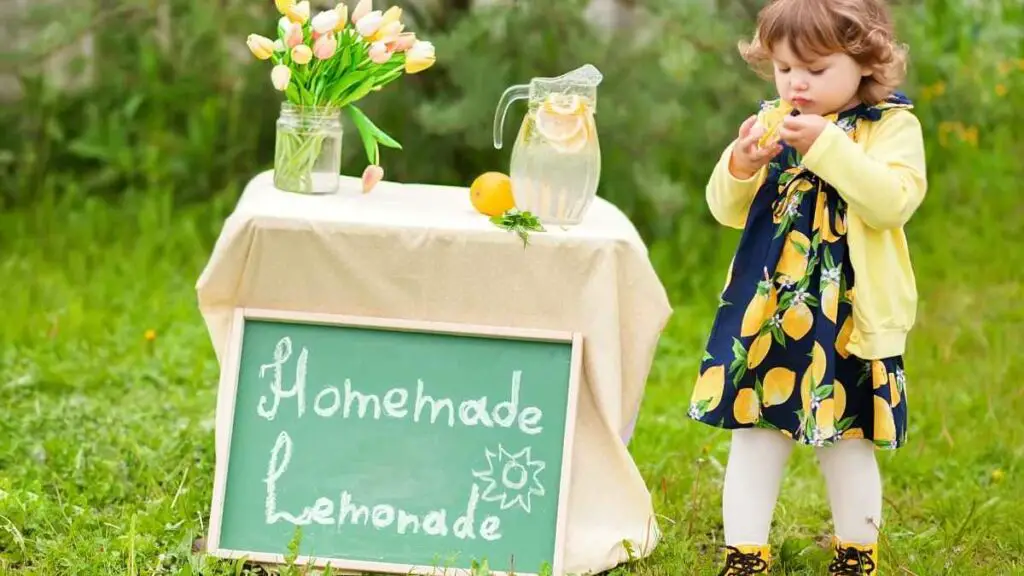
pixel 777 355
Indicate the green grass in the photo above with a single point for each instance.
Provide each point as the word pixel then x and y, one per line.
pixel 106 439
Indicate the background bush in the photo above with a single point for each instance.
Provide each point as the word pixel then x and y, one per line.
pixel 178 104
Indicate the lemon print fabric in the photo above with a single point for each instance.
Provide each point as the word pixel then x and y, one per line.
pixel 778 356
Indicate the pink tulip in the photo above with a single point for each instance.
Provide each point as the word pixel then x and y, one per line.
pixel 325 46
pixel 371 177
pixel 403 42
pixel 280 76
pixel 293 35
pixel 379 53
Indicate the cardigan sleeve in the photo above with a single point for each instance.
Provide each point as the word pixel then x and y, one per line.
pixel 728 197
pixel 885 181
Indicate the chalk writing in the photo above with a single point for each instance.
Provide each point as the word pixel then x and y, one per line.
pixel 331 401
pixel 380 516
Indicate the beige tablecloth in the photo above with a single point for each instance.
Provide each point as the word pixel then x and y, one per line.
pixel 420 252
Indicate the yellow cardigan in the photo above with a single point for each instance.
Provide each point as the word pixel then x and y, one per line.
pixel 883 180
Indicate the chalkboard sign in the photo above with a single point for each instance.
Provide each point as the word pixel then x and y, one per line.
pixel 396 447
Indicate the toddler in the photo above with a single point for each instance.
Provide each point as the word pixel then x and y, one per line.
pixel 807 346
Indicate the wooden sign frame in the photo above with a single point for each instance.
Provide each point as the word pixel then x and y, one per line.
pixel 228 387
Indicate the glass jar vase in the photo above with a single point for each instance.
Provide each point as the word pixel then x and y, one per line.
pixel 307 154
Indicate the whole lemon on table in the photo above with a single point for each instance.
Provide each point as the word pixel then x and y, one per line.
pixel 491 194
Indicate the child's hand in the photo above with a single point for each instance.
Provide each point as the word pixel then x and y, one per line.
pixel 801 131
pixel 747 158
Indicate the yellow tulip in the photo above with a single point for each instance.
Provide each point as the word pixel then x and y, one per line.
pixel 369 24
pixel 284 5
pixel 325 21
pixel 419 57
pixel 302 54
pixel 393 14
pixel 260 46
pixel 361 9
pixel 387 33
pixel 298 13
pixel 342 11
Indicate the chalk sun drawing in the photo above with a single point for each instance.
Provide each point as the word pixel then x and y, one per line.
pixel 518 478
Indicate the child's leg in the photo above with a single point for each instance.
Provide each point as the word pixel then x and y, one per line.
pixel 757 459
pixel 854 490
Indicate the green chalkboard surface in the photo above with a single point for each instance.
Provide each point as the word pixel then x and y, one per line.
pixel 397 447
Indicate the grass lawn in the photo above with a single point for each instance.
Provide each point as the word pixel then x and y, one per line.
pixel 106 436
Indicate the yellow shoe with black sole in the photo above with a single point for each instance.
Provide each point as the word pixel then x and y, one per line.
pixel 749 560
pixel 854 560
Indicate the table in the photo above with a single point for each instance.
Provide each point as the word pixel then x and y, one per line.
pixel 420 252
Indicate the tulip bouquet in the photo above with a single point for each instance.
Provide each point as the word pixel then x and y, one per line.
pixel 324 65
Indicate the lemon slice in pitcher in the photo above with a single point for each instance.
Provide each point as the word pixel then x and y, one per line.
pixel 564 104
pixel 562 121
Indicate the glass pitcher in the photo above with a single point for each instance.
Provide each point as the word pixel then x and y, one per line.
pixel 556 160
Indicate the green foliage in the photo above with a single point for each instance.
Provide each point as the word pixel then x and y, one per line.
pixel 180 104
pixel 521 223
pixel 169 109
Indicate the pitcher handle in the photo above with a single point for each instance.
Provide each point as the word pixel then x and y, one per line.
pixel 513 93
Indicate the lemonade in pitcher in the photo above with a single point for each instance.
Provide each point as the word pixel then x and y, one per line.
pixel 556 160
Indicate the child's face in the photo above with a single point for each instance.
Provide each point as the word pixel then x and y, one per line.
pixel 825 85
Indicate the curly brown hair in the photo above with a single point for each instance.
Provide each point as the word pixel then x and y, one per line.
pixel 862 29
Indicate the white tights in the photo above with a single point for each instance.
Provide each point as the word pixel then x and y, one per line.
pixel 757 460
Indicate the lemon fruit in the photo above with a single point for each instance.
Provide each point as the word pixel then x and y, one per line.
pixel 762 306
pixel 746 409
pixel 563 120
pixel 758 350
pixel 843 339
pixel 825 419
pixel 885 424
pixel 879 376
pixel 797 321
pixel 710 386
pixel 779 384
pixel 491 194
pixel 771 120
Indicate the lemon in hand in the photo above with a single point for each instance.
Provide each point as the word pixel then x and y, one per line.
pixel 771 120
pixel 491 194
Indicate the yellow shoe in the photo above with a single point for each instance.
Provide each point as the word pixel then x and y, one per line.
pixel 854 560
pixel 747 560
